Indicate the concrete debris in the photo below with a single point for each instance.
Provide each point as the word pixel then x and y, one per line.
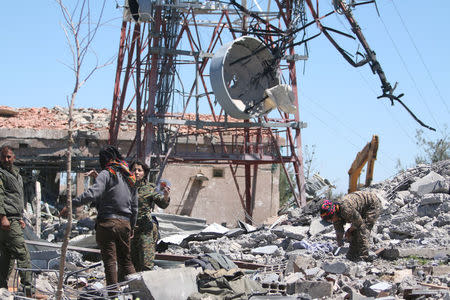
pixel 173 284
pixel 411 239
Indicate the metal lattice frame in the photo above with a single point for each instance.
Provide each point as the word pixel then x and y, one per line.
pixel 162 70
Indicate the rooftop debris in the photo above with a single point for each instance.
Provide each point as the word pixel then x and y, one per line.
pixel 86 119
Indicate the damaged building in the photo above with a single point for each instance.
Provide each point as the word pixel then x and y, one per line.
pixel 288 256
pixel 39 137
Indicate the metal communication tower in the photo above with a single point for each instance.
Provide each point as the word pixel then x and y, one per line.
pixel 162 71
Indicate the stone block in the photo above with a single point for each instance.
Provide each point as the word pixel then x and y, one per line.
pixel 301 263
pixel 376 289
pixel 381 286
pixel 441 270
pixel 335 268
pixel 294 232
pixel 311 273
pixel 166 284
pixel 431 183
pixel 317 226
pixel 400 275
pixel 424 252
pixel 235 232
pixel 437 198
pixel 316 289
pixel 294 277
pixel 393 253
pixel 353 294
pixel 271 249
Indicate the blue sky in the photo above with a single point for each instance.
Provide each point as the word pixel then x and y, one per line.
pixel 336 100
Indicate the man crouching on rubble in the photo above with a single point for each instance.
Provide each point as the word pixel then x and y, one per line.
pixel 115 198
pixel 361 209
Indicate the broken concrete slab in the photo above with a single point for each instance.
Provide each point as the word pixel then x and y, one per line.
pixel 301 263
pixel 294 232
pixel 311 273
pixel 431 183
pixel 247 227
pixel 271 249
pixel 267 277
pixel 400 275
pixel 393 253
pixel 335 268
pixel 291 278
pixel 166 284
pixel 234 232
pixel 381 286
pixel 318 225
pixel 316 289
pixel 215 228
pixel 436 198
pixel 376 290
pixel 442 270
pixel 425 293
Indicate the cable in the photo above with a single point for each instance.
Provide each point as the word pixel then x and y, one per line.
pixel 396 98
pixel 421 58
pixel 410 76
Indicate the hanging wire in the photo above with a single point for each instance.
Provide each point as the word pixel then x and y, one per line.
pixel 412 79
pixel 374 92
pixel 421 58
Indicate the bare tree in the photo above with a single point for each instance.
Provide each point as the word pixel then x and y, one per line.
pixel 80 30
pixel 309 160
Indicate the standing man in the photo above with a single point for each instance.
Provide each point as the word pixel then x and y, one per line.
pixel 143 244
pixel 115 197
pixel 12 242
pixel 361 209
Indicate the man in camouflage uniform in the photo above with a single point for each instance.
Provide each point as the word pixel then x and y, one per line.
pixel 361 209
pixel 12 242
pixel 143 244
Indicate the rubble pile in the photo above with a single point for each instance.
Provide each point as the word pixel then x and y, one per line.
pixel 296 256
pixel 411 236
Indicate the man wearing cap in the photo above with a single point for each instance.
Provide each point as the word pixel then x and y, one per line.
pixel 361 209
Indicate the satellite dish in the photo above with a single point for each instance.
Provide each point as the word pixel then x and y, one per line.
pixel 240 73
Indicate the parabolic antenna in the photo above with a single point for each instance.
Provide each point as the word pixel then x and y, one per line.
pixel 240 73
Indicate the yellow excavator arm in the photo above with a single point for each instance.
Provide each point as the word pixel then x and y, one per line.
pixel 367 155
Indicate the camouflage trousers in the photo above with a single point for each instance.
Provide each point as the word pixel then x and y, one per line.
pixel 12 247
pixel 143 245
pixel 360 238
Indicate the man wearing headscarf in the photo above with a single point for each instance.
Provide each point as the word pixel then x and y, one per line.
pixel 115 197
pixel 361 209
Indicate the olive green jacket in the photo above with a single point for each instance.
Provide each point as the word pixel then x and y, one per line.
pixel 148 196
pixel 11 193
